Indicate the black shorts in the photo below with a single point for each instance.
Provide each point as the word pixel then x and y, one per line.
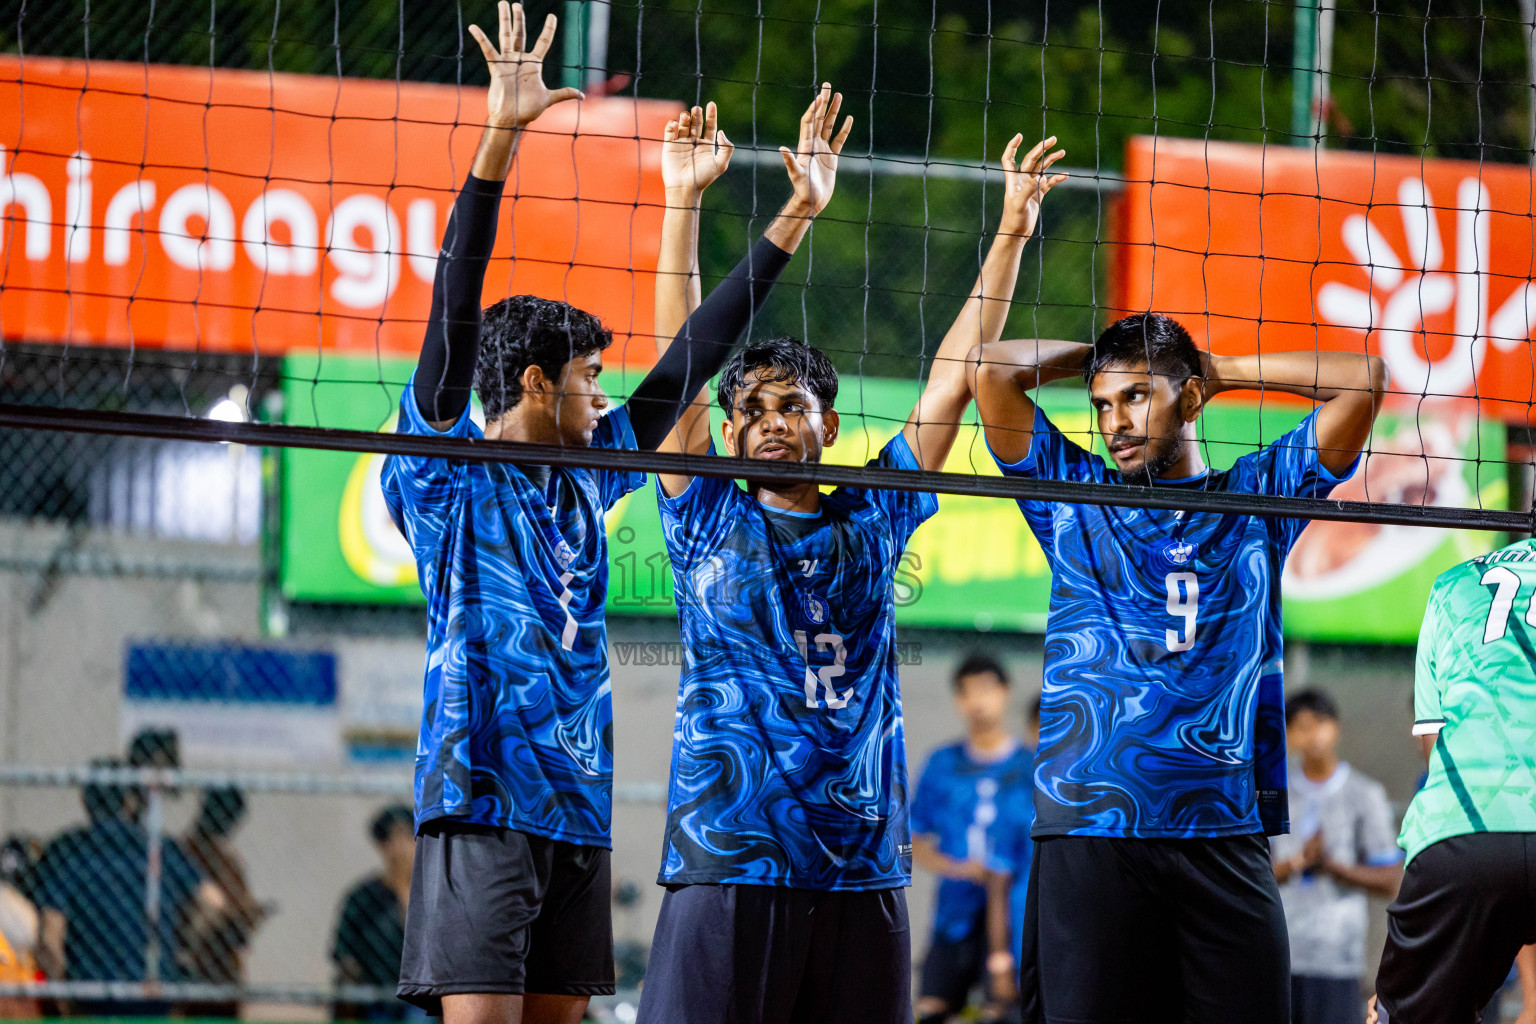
pixel 494 911
pixel 952 969
pixel 760 954
pixel 1467 906
pixel 1130 930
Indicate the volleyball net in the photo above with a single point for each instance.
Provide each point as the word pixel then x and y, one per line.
pixel 222 221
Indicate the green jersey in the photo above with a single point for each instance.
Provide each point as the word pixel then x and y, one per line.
pixel 1475 689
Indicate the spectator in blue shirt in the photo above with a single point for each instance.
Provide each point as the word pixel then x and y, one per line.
pixel 1008 880
pixel 966 792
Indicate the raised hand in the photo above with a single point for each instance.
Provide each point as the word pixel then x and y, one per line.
pixel 694 152
pixel 812 166
pixel 1026 183
pixel 518 95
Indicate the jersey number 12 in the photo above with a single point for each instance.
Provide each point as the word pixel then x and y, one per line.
pixel 824 642
pixel 1183 599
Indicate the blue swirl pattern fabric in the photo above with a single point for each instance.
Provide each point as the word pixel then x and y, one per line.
pixel 788 756
pixel 517 722
pixel 1163 699
pixel 966 805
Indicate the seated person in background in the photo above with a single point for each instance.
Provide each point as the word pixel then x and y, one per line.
pixel 214 940
pixel 370 931
pixel 18 940
pixel 90 886
pixel 154 747
pixel 1342 847
pixel 956 814
pixel 1008 873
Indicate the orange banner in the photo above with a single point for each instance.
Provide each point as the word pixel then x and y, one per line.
pixel 1426 262
pixel 238 211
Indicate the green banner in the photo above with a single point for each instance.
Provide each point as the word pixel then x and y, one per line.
pixel 975 565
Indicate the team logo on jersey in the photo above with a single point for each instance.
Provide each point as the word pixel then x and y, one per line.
pixel 815 608
pixel 1179 552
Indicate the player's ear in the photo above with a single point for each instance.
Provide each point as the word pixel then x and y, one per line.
pixel 728 437
pixel 535 381
pixel 1191 399
pixel 829 424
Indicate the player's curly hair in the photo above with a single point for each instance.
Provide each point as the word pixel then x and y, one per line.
pixel 779 361
pixel 1160 342
pixel 523 331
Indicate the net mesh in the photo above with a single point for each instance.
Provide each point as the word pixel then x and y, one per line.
pixel 303 240
pixel 221 221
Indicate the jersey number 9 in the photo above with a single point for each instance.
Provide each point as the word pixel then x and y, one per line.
pixel 1183 599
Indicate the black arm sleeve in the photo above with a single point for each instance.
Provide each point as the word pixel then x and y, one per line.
pixel 703 345
pixel 445 373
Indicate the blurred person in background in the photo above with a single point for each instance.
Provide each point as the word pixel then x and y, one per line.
pixel 19 922
pixel 18 942
pixel 91 886
pixel 214 939
pixel 960 801
pixel 370 930
pixel 155 747
pixel 1008 876
pixel 1342 847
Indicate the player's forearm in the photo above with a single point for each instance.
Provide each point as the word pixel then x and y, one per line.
pixel 926 855
pixel 981 319
pixel 998 939
pixel 1321 376
pixel 493 159
pixel 1382 880
pixel 993 294
pixel 451 344
pixel 789 228
pixel 1026 363
pixel 677 281
pixel 703 344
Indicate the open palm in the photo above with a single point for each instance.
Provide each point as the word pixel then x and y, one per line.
pixel 813 166
pixel 694 151
pixel 517 94
pixel 1025 183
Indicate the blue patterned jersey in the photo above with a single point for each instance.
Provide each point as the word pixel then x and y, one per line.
pixel 788 757
pixel 965 805
pixel 517 723
pixel 1163 705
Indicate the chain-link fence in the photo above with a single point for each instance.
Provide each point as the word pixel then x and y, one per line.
pixel 146 904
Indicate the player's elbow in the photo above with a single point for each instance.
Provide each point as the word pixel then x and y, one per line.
pixel 1379 377
pixel 986 369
